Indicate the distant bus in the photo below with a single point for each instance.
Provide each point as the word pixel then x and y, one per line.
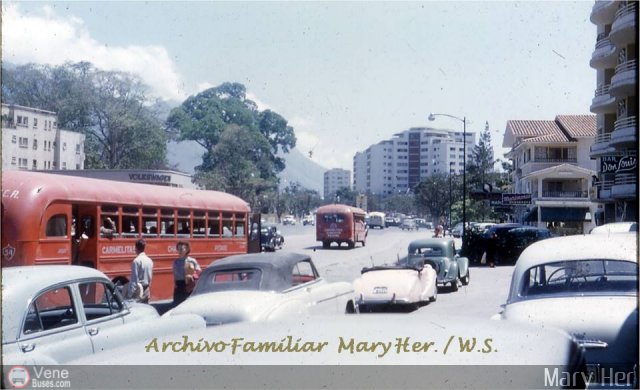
pixel 56 219
pixel 340 224
pixel 376 219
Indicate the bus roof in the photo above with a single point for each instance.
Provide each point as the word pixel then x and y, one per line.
pixel 339 208
pixel 41 189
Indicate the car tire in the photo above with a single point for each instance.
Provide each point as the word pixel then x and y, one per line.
pixel 465 280
pixel 350 309
pixel 435 295
pixel 454 285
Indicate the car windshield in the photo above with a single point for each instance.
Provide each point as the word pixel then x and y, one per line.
pixel 233 279
pixel 590 276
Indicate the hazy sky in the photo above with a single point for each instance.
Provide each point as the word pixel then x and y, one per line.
pixel 344 74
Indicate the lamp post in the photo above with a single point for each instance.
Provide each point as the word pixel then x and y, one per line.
pixel 450 191
pixel 432 117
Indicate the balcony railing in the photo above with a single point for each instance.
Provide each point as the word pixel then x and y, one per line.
pixel 603 42
pixel 626 122
pixel 602 138
pixel 604 184
pixel 564 194
pixel 602 90
pixel 625 178
pixel 626 66
pixel 554 160
pixel 630 8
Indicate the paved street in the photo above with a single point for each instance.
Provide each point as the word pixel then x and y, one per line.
pixel 481 298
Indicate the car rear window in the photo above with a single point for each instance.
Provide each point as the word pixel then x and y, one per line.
pixel 226 280
pixel 591 276
pixel 431 251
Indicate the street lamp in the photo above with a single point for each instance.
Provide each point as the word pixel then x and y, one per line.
pixel 432 117
pixel 450 191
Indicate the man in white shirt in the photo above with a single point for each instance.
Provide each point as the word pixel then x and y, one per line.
pixel 141 274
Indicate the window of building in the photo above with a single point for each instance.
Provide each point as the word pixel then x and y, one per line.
pixel 35 144
pixel 23 142
pixel 77 148
pixel 35 123
pixel 35 164
pixel 64 146
pixel 64 165
pixel 13 161
pixel 22 163
pixel 14 139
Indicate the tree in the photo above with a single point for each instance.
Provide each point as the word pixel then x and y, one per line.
pixel 432 194
pixel 245 165
pixel 110 108
pixel 480 171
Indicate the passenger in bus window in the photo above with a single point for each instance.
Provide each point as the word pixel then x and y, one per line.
pixel 185 270
pixel 108 228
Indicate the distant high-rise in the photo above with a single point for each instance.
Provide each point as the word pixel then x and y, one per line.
pixel 399 164
pixel 31 140
pixel 335 179
pixel 615 103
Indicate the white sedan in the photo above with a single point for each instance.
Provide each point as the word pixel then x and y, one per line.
pixel 53 314
pixel 263 286
pixel 403 286
pixel 586 285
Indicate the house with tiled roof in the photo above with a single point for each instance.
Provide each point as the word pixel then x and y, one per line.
pixel 551 161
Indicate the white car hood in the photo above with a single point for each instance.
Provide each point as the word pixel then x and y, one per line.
pixel 592 320
pixel 229 306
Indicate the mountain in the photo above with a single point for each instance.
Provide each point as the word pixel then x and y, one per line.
pixel 186 155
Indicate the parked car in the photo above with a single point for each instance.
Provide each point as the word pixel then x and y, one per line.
pixel 263 286
pixel 270 238
pixel 615 227
pixel 289 220
pixel 404 286
pixel 308 220
pixel 441 254
pixel 517 239
pixel 457 230
pixel 391 221
pixel 53 314
pixel 587 286
pixel 408 224
pixel 422 223
pixel 502 245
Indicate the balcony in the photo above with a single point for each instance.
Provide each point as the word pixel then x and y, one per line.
pixel 605 54
pixel 623 29
pixel 604 189
pixel 565 194
pixel 624 186
pixel 601 145
pixel 603 12
pixel 543 163
pixel 624 82
pixel 603 102
pixel 624 132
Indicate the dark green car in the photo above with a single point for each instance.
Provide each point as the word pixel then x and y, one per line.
pixel 441 254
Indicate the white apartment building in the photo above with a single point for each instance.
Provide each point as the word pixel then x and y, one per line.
pixel 335 179
pixel 399 164
pixel 31 140
pixel 615 103
pixel 551 162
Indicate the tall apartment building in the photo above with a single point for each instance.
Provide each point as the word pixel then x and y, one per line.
pixel 615 104
pixel 335 179
pixel 31 140
pixel 551 161
pixel 399 164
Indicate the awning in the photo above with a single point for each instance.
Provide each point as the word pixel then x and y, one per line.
pixel 531 216
pixel 564 214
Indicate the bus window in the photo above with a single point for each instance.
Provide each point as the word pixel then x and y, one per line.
pixel 167 223
pixel 240 224
pixel 214 224
pixel 184 225
pixel 199 225
pixel 336 218
pixel 149 222
pixel 57 226
pixel 227 225
pixel 130 221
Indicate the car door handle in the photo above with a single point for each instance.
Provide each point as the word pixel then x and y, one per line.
pixel 93 331
pixel 27 347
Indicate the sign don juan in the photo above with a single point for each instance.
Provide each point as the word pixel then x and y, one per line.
pixel 618 164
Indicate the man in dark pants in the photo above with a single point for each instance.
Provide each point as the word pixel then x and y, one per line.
pixel 492 246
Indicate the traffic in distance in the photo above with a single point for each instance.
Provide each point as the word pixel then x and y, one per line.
pixel 69 248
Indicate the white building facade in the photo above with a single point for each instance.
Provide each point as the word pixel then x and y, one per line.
pixel 335 179
pixel 31 140
pixel 551 162
pixel 615 103
pixel 399 164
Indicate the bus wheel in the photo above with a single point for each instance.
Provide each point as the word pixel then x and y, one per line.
pixel 363 244
pixel 325 244
pixel 351 244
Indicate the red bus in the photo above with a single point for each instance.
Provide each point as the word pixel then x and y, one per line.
pixel 340 223
pixel 56 219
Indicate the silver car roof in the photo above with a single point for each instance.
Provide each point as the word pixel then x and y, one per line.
pixel 21 284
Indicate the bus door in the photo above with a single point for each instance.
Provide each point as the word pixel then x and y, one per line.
pixel 86 240
pixel 54 246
